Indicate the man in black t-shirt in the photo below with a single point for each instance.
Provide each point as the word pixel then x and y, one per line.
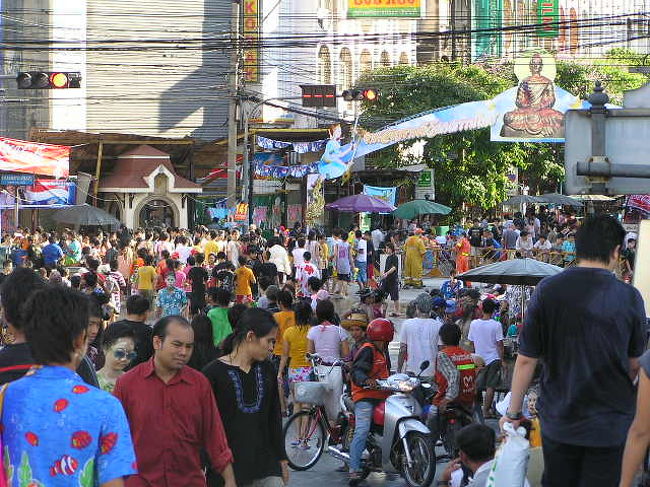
pixel 587 329
pixel 198 276
pixel 475 235
pixel 16 358
pixel 137 308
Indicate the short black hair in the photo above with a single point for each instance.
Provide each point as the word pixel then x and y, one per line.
pixel 137 305
pixel 285 299
pixel 597 238
pixel 220 295
pixel 15 289
pixel 221 256
pixel 242 260
pixel 264 282
pixel 306 255
pixel 315 283
pixel 477 441
pixel 304 313
pixel 160 328
pixel 489 305
pixel 325 311
pixel 450 334
pixel 114 332
pixel 54 317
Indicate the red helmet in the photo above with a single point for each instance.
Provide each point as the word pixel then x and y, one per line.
pixel 380 330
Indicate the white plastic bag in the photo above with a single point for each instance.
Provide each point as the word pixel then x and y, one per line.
pixel 511 461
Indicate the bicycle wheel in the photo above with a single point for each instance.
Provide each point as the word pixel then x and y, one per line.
pixel 304 440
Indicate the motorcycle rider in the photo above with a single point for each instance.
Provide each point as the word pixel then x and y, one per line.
pixel 455 378
pixel 370 363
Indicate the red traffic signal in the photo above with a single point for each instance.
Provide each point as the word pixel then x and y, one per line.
pixel 42 80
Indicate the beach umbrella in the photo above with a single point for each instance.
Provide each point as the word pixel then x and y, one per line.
pixel 360 203
pixel 559 199
pixel 84 215
pixel 415 208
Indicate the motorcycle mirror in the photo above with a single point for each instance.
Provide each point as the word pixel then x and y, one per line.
pixel 424 365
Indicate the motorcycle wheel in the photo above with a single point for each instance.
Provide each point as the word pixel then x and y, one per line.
pixel 423 470
pixel 304 453
pixel 448 437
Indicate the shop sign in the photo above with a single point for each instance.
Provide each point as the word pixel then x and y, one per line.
pixel 252 51
pixel 547 18
pixel 384 8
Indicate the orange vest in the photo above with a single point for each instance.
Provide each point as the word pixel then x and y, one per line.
pixel 465 365
pixel 379 371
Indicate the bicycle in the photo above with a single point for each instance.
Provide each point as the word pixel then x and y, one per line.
pixel 307 432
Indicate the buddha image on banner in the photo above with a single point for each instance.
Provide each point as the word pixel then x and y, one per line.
pixel 534 110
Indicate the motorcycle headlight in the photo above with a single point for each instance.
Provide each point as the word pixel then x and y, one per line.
pixel 405 386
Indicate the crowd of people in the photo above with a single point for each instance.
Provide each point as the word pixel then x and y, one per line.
pixel 182 348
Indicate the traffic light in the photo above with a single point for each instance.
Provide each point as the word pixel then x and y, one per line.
pixel 43 80
pixel 367 94
pixel 318 96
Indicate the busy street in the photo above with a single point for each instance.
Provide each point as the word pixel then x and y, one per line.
pixel 295 243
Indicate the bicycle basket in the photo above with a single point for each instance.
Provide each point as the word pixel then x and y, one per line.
pixel 310 392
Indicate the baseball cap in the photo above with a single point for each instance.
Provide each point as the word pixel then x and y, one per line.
pixel 451 306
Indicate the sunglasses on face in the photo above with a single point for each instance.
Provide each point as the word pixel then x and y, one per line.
pixel 123 354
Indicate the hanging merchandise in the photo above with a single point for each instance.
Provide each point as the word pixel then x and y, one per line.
pixel 281 172
pixel 299 147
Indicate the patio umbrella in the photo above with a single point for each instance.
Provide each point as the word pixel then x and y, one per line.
pixel 593 197
pixel 84 215
pixel 360 203
pixel 415 208
pixel 521 199
pixel 559 199
pixel 518 272
pixel 515 272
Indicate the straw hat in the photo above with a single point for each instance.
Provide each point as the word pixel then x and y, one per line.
pixel 355 319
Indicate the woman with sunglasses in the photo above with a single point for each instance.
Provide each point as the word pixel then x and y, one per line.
pixel 118 344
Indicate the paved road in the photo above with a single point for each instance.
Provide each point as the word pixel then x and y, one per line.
pixel 324 473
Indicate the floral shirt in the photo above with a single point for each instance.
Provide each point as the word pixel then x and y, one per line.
pixel 171 301
pixel 59 431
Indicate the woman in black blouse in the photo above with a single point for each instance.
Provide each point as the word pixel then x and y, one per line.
pixel 244 384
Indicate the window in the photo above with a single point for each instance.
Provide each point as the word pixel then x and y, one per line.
pixel 346 68
pixel 404 58
pixel 384 59
pixel 324 65
pixel 366 62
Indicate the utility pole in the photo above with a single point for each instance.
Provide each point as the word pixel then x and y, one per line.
pixel 232 109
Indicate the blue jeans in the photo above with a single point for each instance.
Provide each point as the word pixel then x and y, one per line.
pixel 362 422
pixel 363 271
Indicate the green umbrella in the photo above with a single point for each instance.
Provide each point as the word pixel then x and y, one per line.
pixel 415 208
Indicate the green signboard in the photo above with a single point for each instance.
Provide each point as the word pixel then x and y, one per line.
pixel 384 8
pixel 547 18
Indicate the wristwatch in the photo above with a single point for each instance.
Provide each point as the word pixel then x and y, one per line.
pixel 514 416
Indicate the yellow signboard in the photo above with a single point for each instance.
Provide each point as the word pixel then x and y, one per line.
pixel 252 40
pixel 384 8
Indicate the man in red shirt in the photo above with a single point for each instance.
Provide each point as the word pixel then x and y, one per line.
pixel 173 414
